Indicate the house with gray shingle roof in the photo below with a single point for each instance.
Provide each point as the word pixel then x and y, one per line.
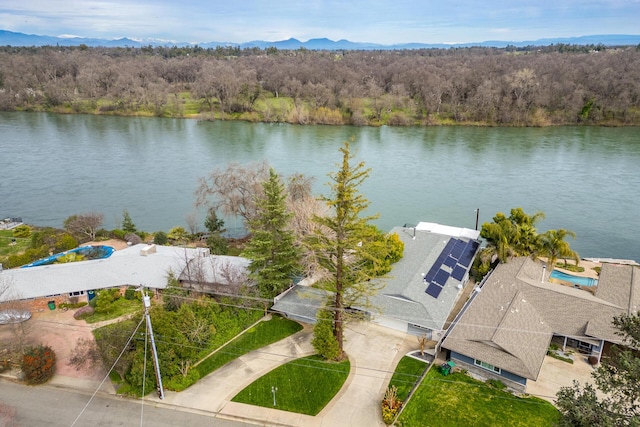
pixel 430 262
pixel 506 327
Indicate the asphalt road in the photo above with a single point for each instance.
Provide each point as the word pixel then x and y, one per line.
pixel 46 406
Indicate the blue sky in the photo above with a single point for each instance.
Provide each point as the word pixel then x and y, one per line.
pixel 376 21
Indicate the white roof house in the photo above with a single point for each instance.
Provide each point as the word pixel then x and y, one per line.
pixel 147 265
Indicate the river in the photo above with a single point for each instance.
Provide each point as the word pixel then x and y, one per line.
pixel 585 179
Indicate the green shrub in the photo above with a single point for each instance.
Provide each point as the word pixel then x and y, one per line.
pixel 27 257
pixel 217 244
pixel 180 382
pixel 64 242
pixel 22 231
pixel 105 299
pixel 103 234
pixel 160 238
pixel 72 305
pixel 130 294
pixel 118 234
pixel 38 364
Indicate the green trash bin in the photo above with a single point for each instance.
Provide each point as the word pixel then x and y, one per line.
pixel 447 367
pixel 52 305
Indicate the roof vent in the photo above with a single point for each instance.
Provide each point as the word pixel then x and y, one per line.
pixel 148 250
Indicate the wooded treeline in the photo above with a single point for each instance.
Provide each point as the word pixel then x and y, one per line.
pixel 490 86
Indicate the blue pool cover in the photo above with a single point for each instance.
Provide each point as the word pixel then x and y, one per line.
pixel 89 252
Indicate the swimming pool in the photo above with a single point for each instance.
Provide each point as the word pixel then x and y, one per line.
pixel 576 280
pixel 88 252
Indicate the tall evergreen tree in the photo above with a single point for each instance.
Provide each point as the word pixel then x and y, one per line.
pixel 127 222
pixel 273 254
pixel 341 242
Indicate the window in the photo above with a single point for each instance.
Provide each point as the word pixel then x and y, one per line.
pixel 485 365
pixel 75 294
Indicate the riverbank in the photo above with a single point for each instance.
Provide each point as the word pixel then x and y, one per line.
pixel 111 109
pixel 471 87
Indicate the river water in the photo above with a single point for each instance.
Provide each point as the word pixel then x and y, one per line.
pixel 585 179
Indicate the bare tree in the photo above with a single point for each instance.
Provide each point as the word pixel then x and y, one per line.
pixel 233 189
pixel 192 223
pixel 234 275
pixel 18 330
pixel 86 224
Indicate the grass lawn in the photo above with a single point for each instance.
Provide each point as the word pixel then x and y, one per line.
pixel 407 373
pixel 263 334
pixel 119 307
pixel 304 386
pixel 459 400
pixel 6 248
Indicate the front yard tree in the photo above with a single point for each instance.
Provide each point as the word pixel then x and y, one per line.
pixel 340 243
pixel 275 259
pixel 618 377
pixel 86 224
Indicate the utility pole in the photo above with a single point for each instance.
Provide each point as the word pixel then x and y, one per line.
pixel 477 217
pixel 156 365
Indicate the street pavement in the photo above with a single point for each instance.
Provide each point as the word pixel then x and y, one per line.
pixel 52 406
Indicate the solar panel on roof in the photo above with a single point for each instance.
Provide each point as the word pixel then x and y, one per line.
pixel 432 273
pixel 441 277
pixel 468 254
pixel 450 262
pixel 449 246
pixel 433 290
pixel 458 248
pixel 465 259
pixel 458 272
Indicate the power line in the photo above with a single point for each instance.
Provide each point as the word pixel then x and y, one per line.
pixel 106 376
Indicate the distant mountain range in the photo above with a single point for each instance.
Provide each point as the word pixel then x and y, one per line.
pixel 9 38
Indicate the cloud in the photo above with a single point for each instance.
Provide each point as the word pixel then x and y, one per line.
pixel 357 20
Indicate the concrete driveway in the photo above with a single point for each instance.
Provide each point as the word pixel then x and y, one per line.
pixel 373 351
pixel 556 373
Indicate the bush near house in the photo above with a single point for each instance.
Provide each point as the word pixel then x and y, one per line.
pixel 38 364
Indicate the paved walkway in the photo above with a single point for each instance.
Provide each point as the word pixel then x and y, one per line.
pixel 373 351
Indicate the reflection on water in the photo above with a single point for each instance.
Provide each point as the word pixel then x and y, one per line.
pixel 584 179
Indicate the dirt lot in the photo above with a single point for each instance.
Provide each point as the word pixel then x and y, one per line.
pixel 57 329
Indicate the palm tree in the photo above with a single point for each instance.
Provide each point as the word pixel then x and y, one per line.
pixel 500 235
pixel 526 242
pixel 552 245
